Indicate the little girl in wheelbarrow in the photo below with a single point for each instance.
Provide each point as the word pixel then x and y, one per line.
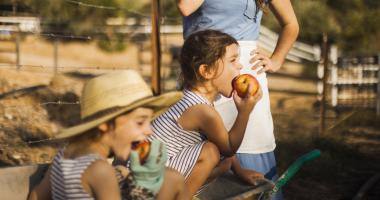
pixel 116 110
pixel 192 129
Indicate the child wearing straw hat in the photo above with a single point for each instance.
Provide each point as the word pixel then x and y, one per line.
pixel 116 110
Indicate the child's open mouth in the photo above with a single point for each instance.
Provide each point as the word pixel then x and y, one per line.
pixel 142 147
pixel 134 144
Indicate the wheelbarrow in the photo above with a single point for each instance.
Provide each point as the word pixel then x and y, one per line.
pixel 16 182
pixel 230 187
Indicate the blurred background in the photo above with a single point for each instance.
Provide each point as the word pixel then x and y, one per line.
pixel 326 96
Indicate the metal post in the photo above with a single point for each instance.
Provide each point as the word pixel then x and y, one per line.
pixel 156 48
pixel 55 56
pixel 325 52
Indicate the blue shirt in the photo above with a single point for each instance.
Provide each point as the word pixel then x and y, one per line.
pixel 239 18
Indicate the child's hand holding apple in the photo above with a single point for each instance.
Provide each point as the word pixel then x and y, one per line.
pixel 247 92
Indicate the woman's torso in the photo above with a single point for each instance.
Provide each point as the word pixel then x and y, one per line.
pixel 239 18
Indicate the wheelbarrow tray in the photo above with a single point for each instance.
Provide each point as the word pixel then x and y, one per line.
pixel 16 182
pixel 228 186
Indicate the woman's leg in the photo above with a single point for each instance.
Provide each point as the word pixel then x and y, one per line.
pixel 207 160
pixel 173 187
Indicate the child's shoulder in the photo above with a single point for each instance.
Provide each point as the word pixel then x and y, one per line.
pixel 100 166
pixel 99 169
pixel 100 177
pixel 198 116
pixel 203 112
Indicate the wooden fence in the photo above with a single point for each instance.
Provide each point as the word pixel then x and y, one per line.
pixel 352 82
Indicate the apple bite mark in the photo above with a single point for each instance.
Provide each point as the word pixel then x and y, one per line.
pixel 241 82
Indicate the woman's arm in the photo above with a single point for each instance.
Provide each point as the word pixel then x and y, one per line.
pixel 42 190
pixel 284 13
pixel 187 7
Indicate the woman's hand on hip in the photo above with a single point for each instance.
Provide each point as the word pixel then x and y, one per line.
pixel 263 62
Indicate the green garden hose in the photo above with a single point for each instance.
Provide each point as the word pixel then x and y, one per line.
pixel 291 171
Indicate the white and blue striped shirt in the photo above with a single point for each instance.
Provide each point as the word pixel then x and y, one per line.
pixel 183 146
pixel 66 176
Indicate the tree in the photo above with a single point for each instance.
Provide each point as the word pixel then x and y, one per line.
pixel 352 24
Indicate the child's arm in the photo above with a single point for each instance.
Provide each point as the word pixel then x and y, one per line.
pixel 42 190
pixel 100 179
pixel 249 176
pixel 206 119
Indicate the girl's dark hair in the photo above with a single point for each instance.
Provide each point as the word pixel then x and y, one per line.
pixel 202 47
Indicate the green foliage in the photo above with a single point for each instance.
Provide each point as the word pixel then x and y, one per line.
pixel 111 44
pixel 169 12
pixel 73 17
pixel 354 25
pixel 66 16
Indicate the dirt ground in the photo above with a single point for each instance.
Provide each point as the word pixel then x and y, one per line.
pixel 350 150
pixel 35 104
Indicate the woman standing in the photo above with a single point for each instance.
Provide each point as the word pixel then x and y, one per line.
pixel 241 19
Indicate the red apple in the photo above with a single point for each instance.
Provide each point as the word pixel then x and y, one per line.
pixel 240 84
pixel 142 149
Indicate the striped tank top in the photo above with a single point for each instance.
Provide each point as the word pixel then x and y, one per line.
pixel 66 174
pixel 183 146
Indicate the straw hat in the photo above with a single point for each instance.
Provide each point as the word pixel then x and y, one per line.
pixel 125 90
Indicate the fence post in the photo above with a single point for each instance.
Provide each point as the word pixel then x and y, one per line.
pixel 18 39
pixel 325 52
pixel 333 56
pixel 378 86
pixel 334 85
pixel 156 48
pixel 55 43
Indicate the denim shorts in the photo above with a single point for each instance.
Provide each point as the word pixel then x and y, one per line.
pixel 264 163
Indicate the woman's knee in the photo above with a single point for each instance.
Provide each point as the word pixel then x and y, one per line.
pixel 210 152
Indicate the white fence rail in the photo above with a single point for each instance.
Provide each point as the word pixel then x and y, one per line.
pixel 267 39
pixel 299 52
pixel 353 82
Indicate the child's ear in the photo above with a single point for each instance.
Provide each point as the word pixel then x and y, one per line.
pixel 206 73
pixel 103 127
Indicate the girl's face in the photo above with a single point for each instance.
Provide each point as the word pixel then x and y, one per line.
pixel 131 127
pixel 227 69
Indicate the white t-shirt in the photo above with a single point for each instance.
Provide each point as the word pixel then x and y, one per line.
pixel 259 137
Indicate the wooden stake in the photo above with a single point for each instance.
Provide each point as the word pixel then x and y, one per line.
pixel 156 48
pixel 325 52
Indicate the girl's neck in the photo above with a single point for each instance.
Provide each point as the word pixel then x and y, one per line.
pixel 75 150
pixel 206 91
